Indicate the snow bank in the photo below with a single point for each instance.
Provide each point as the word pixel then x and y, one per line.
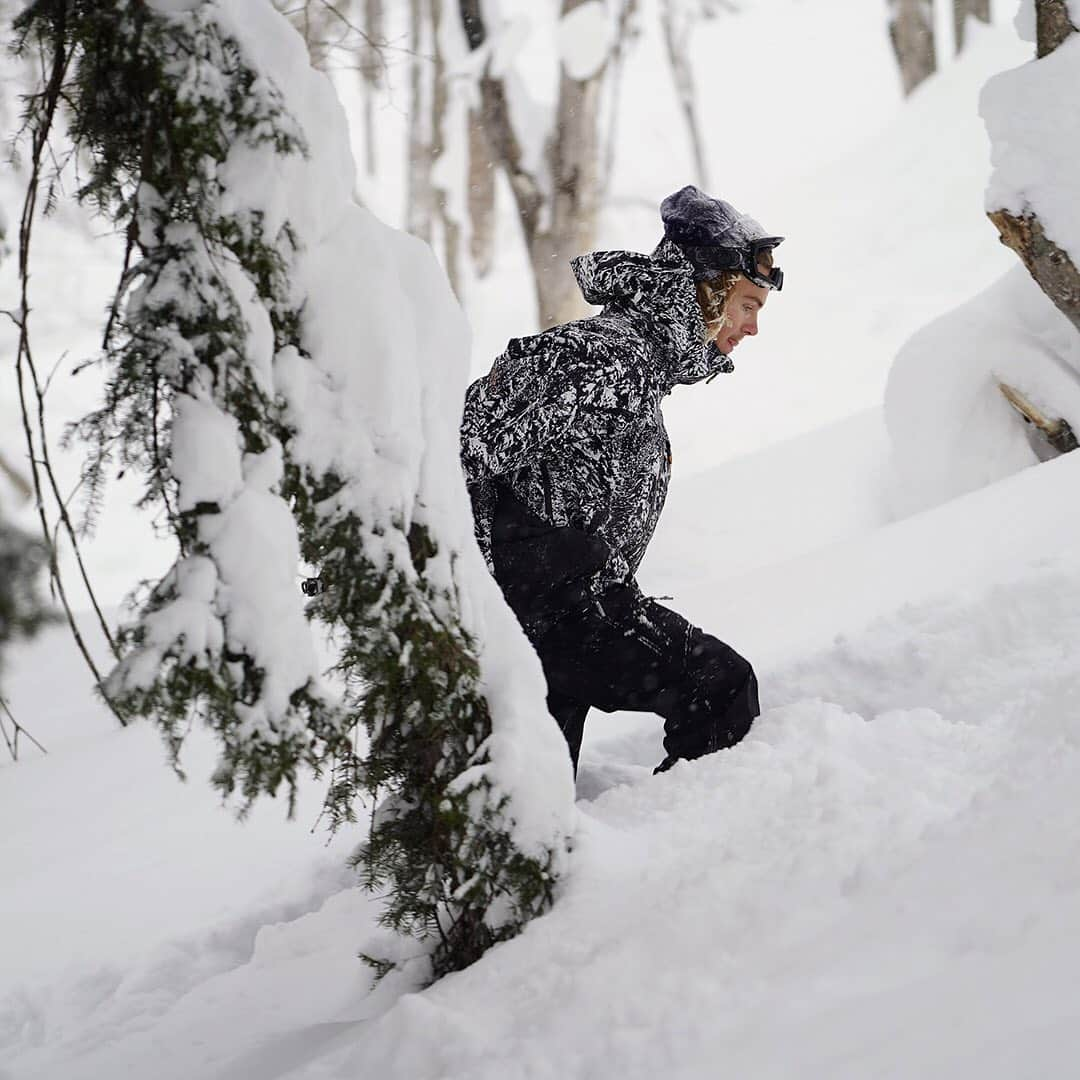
pixel 950 428
pixel 379 398
pixel 891 851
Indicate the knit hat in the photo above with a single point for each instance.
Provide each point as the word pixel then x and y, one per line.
pixel 716 238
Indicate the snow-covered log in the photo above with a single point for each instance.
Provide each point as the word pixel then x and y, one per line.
pixel 288 373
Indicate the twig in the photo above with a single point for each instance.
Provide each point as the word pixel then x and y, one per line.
pixel 24 364
pixel 13 744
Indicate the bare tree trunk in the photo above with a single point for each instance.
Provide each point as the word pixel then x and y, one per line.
pixel 372 68
pixel 573 154
pixel 676 27
pixel 911 29
pixel 481 196
pixel 1050 266
pixel 420 208
pixel 558 210
pixel 451 227
pixel 978 9
pixel 1053 25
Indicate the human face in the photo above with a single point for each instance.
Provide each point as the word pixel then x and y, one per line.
pixel 740 314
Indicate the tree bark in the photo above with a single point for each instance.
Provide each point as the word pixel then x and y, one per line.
pixel 481 196
pixel 420 207
pixel 371 75
pixel 978 9
pixel 442 198
pixel 573 154
pixel 557 210
pixel 1050 266
pixel 911 29
pixel 1052 25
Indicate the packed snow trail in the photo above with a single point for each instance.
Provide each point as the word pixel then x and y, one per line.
pixel 880 880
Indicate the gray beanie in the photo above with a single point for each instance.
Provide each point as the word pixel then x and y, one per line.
pixel 715 237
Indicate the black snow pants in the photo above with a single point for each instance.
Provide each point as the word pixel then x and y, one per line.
pixel 618 650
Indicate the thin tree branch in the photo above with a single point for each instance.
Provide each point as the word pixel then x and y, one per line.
pixel 13 743
pixel 45 111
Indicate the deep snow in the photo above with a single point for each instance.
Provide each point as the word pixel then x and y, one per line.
pixel 867 885
pixel 880 881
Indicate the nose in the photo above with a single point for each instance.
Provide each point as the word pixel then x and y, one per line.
pixel 751 326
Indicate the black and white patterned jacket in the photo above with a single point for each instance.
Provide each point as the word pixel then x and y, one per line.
pixel 569 419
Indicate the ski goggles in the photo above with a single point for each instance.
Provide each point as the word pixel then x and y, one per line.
pixel 712 260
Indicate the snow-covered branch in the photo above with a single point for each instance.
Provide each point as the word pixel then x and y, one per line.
pixel 1031 116
pixel 287 373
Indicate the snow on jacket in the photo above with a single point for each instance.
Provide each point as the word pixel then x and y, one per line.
pixel 569 419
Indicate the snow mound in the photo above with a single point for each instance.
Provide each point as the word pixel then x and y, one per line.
pixel 892 850
pixel 950 428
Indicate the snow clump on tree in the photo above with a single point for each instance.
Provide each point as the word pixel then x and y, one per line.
pixel 951 428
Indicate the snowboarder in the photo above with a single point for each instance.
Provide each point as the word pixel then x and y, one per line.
pixel 567 461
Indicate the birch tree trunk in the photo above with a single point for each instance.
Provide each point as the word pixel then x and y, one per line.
pixel 676 25
pixel 481 196
pixel 420 204
pixel 451 226
pixel 573 153
pixel 1050 265
pixel 557 209
pixel 911 29
pixel 978 9
pixel 372 67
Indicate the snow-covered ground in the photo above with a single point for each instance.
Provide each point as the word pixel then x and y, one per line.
pixel 880 881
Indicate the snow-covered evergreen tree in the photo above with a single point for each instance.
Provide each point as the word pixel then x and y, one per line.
pixel 287 373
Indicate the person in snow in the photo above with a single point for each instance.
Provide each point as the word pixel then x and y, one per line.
pixel 567 463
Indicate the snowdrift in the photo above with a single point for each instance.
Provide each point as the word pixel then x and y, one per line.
pixel 950 428
pixel 882 871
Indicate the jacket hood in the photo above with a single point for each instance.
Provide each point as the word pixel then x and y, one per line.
pixel 660 289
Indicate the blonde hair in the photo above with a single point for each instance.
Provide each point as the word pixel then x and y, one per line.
pixel 714 294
